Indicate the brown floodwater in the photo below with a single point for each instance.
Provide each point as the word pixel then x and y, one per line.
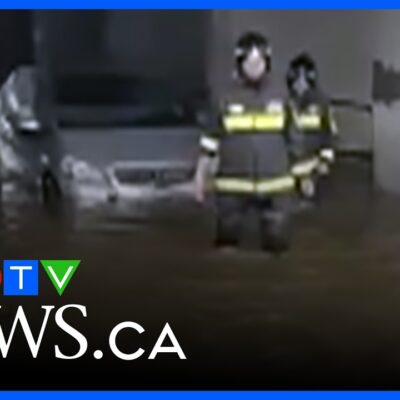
pixel 324 315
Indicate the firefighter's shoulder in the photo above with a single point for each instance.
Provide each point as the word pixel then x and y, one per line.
pixel 275 105
pixel 319 97
pixel 234 100
pixel 274 101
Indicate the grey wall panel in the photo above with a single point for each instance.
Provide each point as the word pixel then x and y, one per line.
pixel 387 114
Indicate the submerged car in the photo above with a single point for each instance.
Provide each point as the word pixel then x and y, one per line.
pixel 99 153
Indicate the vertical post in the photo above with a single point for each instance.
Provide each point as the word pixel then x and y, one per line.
pixel 44 93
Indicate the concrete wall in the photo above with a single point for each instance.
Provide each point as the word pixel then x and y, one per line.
pixel 387 116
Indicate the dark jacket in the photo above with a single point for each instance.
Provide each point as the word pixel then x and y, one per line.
pixel 250 133
pixel 315 123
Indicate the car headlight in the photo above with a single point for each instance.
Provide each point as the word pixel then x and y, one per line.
pixel 79 170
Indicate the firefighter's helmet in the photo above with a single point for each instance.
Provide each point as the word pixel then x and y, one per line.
pixel 253 55
pixel 302 66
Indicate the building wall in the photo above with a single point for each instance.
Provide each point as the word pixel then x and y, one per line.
pixel 387 113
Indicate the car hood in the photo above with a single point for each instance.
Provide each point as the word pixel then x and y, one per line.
pixel 103 147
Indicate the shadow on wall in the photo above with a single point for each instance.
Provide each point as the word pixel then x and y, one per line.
pixel 386 83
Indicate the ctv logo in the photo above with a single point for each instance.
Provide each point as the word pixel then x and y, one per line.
pixel 21 277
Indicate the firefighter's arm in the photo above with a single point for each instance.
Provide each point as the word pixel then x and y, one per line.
pixel 209 147
pixel 292 133
pixel 206 161
pixel 203 166
pixel 327 152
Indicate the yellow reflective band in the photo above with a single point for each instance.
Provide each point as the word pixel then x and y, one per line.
pixel 209 143
pixel 234 185
pixel 255 122
pixel 328 154
pixel 309 121
pixel 273 121
pixel 276 185
pixel 238 122
pixel 304 168
pixel 273 185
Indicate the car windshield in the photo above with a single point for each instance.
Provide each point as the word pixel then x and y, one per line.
pixel 121 100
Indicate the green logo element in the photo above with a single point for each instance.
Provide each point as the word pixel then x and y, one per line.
pixel 60 272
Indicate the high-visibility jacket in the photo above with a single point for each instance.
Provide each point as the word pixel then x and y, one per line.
pixel 250 134
pixel 316 130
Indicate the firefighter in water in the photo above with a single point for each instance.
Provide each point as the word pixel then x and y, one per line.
pixel 316 127
pixel 249 135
